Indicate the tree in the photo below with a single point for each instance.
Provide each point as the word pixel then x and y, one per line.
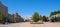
pixel 35 17
pixel 2 18
pixel 45 18
pixel 14 19
pixel 40 17
pixel 55 19
pixel 55 12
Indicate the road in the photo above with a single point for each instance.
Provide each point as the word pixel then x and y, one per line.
pixel 27 24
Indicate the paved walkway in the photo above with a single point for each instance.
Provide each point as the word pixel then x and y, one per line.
pixel 27 24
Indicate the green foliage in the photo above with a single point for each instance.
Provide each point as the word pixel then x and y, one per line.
pixel 54 13
pixel 56 19
pixel 2 18
pixel 35 17
pixel 40 17
pixel 45 18
pixel 14 19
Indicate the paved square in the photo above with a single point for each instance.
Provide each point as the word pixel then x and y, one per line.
pixel 27 24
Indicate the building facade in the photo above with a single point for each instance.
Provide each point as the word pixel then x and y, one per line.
pixel 3 9
pixel 9 17
pixel 54 16
pixel 18 18
pixel 15 18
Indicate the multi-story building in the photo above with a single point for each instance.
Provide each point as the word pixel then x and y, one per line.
pixel 18 18
pixel 9 17
pixel 15 18
pixel 3 9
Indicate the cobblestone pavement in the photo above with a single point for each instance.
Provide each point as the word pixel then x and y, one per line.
pixel 27 24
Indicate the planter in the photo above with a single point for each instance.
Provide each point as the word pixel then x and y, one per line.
pixel 39 22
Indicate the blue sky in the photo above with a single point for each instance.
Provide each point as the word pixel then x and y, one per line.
pixel 26 8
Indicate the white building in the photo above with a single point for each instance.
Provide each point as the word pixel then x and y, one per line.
pixel 57 15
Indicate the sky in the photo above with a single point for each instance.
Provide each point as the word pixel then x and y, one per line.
pixel 26 8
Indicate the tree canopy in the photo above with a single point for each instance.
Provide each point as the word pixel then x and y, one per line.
pixel 35 17
pixel 2 17
pixel 41 18
pixel 54 13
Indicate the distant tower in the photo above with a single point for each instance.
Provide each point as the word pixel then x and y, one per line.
pixel 3 9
